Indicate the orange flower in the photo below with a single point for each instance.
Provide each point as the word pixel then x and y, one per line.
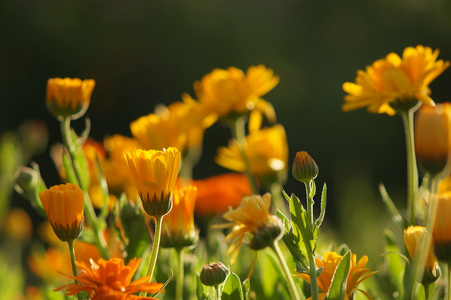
pixel 69 97
pixel 178 227
pixel 251 221
pixel 64 207
pixel 47 264
pixel 223 92
pixel 329 263
pixel 110 280
pixel 394 79
pixel 442 227
pixel 217 193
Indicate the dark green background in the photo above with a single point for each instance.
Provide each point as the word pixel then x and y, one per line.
pixel 142 53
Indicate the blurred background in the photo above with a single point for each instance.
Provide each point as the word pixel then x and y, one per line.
pixel 142 53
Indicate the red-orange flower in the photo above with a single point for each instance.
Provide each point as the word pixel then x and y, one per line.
pixel 111 280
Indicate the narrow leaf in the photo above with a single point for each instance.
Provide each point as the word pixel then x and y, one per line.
pixel 396 264
pixel 320 219
pixel 232 288
pixel 337 288
pixel 392 210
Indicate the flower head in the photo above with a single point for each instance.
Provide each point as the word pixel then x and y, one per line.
pixel 433 137
pixel 216 194
pixel 252 223
pixel 213 274
pixel 178 227
pixel 231 91
pixel 442 227
pixel 111 279
pixel 395 79
pixel 329 263
pixel 64 207
pixel 154 173
pixel 304 167
pixel 266 151
pixel 69 97
pixel 413 238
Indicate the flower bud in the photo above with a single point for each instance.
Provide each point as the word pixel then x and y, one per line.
pixel 213 274
pixel 304 167
pixel 432 137
pixel 267 235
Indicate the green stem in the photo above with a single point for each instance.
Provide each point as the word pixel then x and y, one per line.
pixel 412 171
pixel 309 188
pixel 155 248
pixel 217 293
pixel 426 290
pixel 448 289
pixel 239 134
pixel 293 291
pixel 70 243
pixel 180 275
pixel 277 199
pixel 89 209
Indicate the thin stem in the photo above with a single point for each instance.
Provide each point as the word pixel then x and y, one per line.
pixel 89 209
pixel 313 278
pixel 277 199
pixel 448 288
pixel 239 134
pixel 155 248
pixel 217 293
pixel 251 269
pixel 308 188
pixel 294 293
pixel 412 171
pixel 70 243
pixel 180 275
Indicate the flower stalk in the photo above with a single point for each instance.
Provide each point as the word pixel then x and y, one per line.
pixel 292 287
pixel 180 274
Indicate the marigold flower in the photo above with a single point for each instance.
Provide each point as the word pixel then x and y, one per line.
pixel 178 227
pixel 67 97
pixel 413 238
pixel 266 151
pixel 252 223
pixel 110 280
pixel 213 274
pixel 395 79
pixel 433 137
pixel 64 207
pixel 304 167
pixel 154 173
pixel 329 263
pixel 442 227
pixel 216 194
pixel 223 92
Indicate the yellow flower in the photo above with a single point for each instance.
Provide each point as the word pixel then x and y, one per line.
pixel 110 280
pixel 67 97
pixel 432 137
pixel 329 263
pixel 154 173
pixel 251 223
pixel 442 227
pixel 223 92
pixel 178 226
pixel 266 151
pixel 47 264
pixel 17 224
pixel 395 79
pixel 413 238
pixel 64 207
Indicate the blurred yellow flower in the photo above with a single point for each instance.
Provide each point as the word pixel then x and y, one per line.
pixel 69 97
pixel 216 194
pixel 17 224
pixel 64 207
pixel 46 264
pixel 251 223
pixel 329 263
pixel 433 137
pixel 395 79
pixel 442 227
pixel 178 227
pixel 111 279
pixel 154 173
pixel 223 92
pixel 266 152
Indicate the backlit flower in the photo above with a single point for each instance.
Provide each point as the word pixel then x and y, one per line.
pixel 329 263
pixel 266 151
pixel 442 227
pixel 433 137
pixel 395 79
pixel 413 238
pixel 216 194
pixel 223 92
pixel 111 279
pixel 178 226
pixel 304 167
pixel 69 97
pixel 252 224
pixel 64 207
pixel 154 173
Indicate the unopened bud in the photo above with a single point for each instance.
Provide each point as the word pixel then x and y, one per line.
pixel 213 274
pixel 304 167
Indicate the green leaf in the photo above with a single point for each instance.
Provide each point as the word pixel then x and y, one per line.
pixel 337 288
pixel 246 289
pixel 320 219
pixel 391 208
pixel 232 288
pixel 70 174
pixel 395 263
pixel 200 288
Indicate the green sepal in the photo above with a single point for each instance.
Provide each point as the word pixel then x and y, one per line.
pixel 337 288
pixel 320 219
pixel 396 264
pixel 232 289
